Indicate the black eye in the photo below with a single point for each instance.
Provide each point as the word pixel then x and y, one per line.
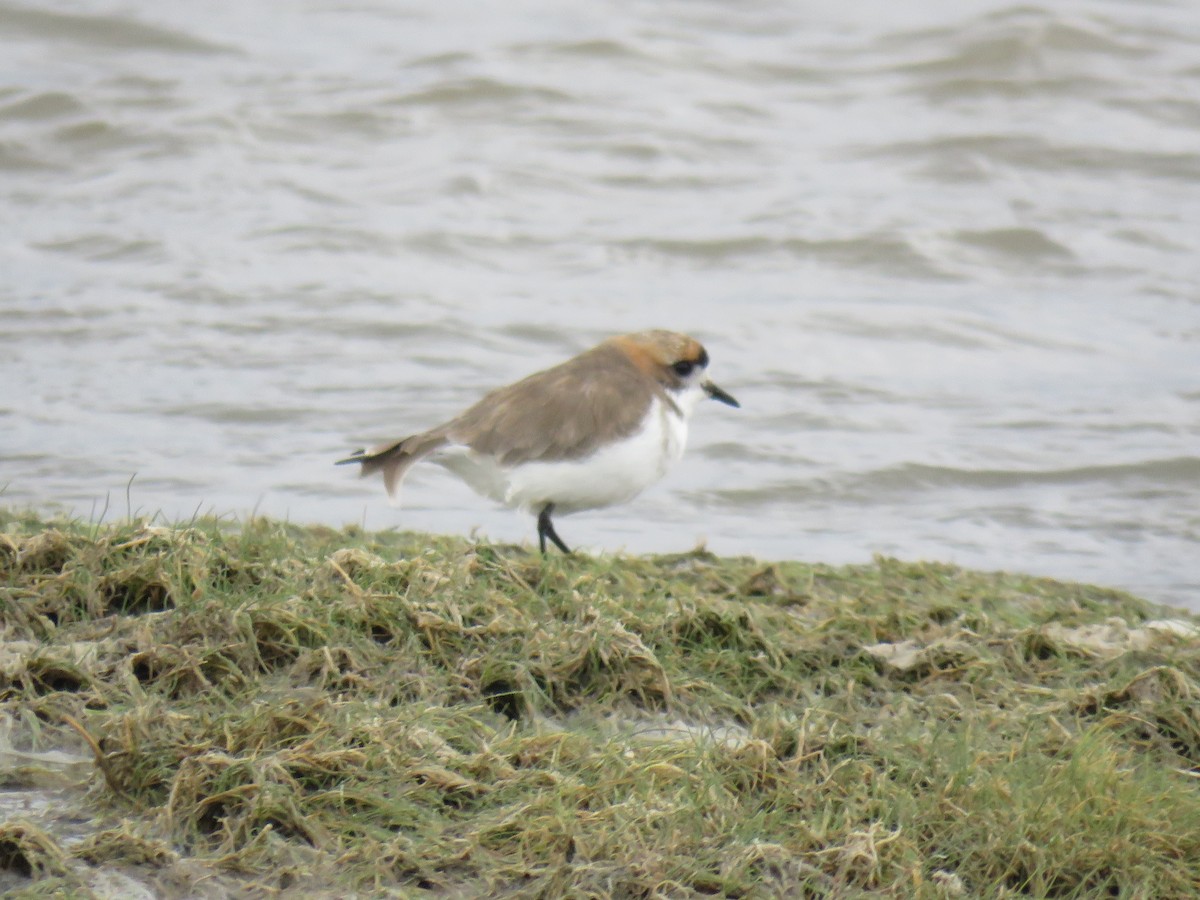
pixel 683 368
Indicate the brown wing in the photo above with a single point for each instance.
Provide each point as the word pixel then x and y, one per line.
pixel 560 413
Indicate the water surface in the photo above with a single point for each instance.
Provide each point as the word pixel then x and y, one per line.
pixel 944 255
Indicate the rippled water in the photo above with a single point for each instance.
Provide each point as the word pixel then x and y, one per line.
pixel 944 254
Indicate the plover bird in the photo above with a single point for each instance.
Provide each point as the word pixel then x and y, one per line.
pixel 591 432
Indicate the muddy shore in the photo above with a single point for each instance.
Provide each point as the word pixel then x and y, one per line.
pixel 261 709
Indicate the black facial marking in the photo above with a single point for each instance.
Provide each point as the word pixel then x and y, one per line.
pixel 685 367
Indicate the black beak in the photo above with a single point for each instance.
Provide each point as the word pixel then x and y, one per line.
pixel 717 394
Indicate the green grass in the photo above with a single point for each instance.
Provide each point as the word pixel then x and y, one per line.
pixel 318 711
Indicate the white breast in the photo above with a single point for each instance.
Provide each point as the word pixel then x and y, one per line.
pixel 613 474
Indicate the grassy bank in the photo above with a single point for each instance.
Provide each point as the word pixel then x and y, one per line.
pixel 271 708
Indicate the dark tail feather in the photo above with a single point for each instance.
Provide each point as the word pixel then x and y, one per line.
pixel 393 459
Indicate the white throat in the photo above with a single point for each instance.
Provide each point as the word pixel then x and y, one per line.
pixel 687 397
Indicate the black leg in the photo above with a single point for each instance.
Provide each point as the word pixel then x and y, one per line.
pixel 546 530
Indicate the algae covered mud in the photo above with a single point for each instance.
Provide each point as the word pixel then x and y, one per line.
pixel 271 710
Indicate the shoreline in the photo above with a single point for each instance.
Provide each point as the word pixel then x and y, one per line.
pixel 306 711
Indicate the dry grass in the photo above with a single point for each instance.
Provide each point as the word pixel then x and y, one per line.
pixel 302 710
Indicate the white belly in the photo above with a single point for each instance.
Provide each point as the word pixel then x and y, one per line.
pixel 613 474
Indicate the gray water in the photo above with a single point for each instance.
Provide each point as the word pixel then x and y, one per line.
pixel 944 253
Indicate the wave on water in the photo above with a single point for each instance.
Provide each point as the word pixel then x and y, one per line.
pixel 941 252
pixel 891 483
pixel 102 32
